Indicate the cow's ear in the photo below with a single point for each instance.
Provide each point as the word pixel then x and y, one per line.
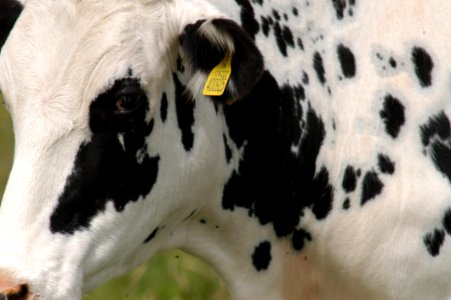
pixel 208 43
pixel 9 12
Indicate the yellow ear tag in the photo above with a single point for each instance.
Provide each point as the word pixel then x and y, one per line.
pixel 219 77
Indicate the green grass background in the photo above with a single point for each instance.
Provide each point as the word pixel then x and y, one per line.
pixel 172 275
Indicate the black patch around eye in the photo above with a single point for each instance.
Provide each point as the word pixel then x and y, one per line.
pixel 103 172
pixel 114 165
pixel 104 113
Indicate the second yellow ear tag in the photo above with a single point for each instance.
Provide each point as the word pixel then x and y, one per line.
pixel 219 77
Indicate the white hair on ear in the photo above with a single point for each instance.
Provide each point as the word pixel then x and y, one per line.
pixel 219 38
pixel 196 84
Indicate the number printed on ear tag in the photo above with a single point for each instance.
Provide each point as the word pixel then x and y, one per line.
pixel 219 77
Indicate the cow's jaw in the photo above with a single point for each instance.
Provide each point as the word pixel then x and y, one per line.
pixel 50 105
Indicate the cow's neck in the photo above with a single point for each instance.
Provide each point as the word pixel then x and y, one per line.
pixel 254 235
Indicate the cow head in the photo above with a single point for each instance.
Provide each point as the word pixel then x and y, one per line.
pixel 115 144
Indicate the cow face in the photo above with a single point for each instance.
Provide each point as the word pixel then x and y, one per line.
pixel 115 143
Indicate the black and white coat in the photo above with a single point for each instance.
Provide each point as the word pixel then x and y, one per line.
pixel 322 172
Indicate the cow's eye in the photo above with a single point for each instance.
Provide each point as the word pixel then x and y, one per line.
pixel 129 99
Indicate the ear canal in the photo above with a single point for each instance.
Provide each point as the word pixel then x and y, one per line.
pixel 9 13
pixel 221 43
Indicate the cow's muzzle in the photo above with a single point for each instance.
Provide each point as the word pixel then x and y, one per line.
pixel 13 291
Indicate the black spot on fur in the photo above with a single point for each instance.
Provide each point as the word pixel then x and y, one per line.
pixel 347 204
pixel 441 156
pixel 228 151
pixel 323 200
pixel 249 23
pixel 280 40
pixel 152 235
pixel 318 65
pixel 276 14
pixel 10 11
pixel 300 44
pixel 393 115
pixel 185 114
pixel 339 6
pixel 104 169
pixel 299 238
pixel 265 26
pixel 299 93
pixel 436 137
pixel 423 66
pixel 261 258
pixel 385 164
pixel 372 186
pixel 164 107
pixel 288 36
pixel 349 180
pixel 347 61
pixel 305 78
pixel 447 221
pixel 434 241
pixel 438 126
pixel 284 38
pixel 393 63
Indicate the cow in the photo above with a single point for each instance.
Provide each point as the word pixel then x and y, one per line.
pixel 302 148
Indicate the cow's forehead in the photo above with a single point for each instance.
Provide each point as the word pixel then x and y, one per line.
pixel 72 50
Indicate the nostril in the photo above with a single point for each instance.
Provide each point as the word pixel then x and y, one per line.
pixel 18 292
